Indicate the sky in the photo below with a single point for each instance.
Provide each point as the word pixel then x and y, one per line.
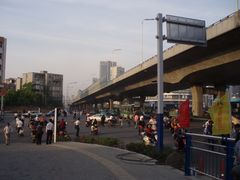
pixel 71 37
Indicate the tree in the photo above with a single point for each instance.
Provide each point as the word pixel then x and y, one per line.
pixel 23 97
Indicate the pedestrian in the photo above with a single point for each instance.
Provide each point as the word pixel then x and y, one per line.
pixel 6 131
pixel 49 131
pixel 136 119
pixel 74 115
pixel 77 126
pixel 153 123
pixel 208 127
pixel 62 125
pixel 128 120
pixel 236 167
pixel 121 121
pixel 141 125
pixel 39 133
pixel 19 125
pixel 103 120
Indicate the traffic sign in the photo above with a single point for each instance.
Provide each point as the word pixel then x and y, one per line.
pixel 185 30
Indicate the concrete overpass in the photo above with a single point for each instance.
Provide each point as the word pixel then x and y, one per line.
pixel 185 66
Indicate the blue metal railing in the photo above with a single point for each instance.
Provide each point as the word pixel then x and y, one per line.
pixel 210 156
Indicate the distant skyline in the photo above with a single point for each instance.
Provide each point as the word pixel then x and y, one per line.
pixel 71 37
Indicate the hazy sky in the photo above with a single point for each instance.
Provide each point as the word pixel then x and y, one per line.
pixel 70 37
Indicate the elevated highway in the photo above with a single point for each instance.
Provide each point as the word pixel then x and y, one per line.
pixel 185 66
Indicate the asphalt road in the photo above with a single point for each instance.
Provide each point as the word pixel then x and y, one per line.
pixel 125 134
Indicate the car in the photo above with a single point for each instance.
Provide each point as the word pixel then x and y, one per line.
pixel 98 117
pixel 32 114
pixel 50 113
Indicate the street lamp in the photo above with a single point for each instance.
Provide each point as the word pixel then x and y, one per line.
pixel 148 19
pixel 113 52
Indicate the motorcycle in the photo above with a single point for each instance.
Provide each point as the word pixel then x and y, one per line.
pixel 180 139
pixel 88 123
pixel 150 139
pixel 167 122
pixel 94 129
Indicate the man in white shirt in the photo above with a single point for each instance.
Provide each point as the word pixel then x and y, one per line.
pixel 19 125
pixel 7 130
pixel 77 126
pixel 153 122
pixel 49 131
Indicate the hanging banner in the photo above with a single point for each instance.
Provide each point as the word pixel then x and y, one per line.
pixel 184 114
pixel 220 113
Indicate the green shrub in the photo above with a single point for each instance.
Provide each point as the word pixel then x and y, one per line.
pixel 106 141
pixel 64 138
pixel 150 151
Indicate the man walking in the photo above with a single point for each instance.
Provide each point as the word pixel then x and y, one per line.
pixel 39 133
pixel 77 126
pixel 49 131
pixel 7 130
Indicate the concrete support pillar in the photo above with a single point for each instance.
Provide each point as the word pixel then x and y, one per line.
pixel 110 104
pixel 197 100
pixel 142 101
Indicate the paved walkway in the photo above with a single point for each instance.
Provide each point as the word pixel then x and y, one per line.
pixel 23 161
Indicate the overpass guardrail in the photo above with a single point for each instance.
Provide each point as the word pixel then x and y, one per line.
pixel 210 156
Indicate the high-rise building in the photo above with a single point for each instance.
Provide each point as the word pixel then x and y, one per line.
pixel 49 85
pixel 10 83
pixel 105 72
pixel 3 48
pixel 116 71
pixel 18 83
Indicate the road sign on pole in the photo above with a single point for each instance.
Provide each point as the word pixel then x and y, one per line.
pixel 185 30
pixel 179 30
pixel 160 82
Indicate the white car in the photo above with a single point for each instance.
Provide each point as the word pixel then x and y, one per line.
pixel 98 117
pixel 95 116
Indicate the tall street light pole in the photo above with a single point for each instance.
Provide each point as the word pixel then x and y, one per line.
pixel 160 89
pixel 149 19
pixel 113 52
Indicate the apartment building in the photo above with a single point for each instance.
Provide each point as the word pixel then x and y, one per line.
pixel 105 70
pixel 116 71
pixel 49 85
pixel 3 47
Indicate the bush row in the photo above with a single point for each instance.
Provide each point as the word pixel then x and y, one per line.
pixel 106 141
pixel 150 151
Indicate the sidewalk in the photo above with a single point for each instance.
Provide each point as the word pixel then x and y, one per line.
pixel 24 161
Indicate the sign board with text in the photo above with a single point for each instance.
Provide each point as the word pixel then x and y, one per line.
pixel 186 31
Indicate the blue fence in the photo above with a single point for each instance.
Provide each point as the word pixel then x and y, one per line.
pixel 210 156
